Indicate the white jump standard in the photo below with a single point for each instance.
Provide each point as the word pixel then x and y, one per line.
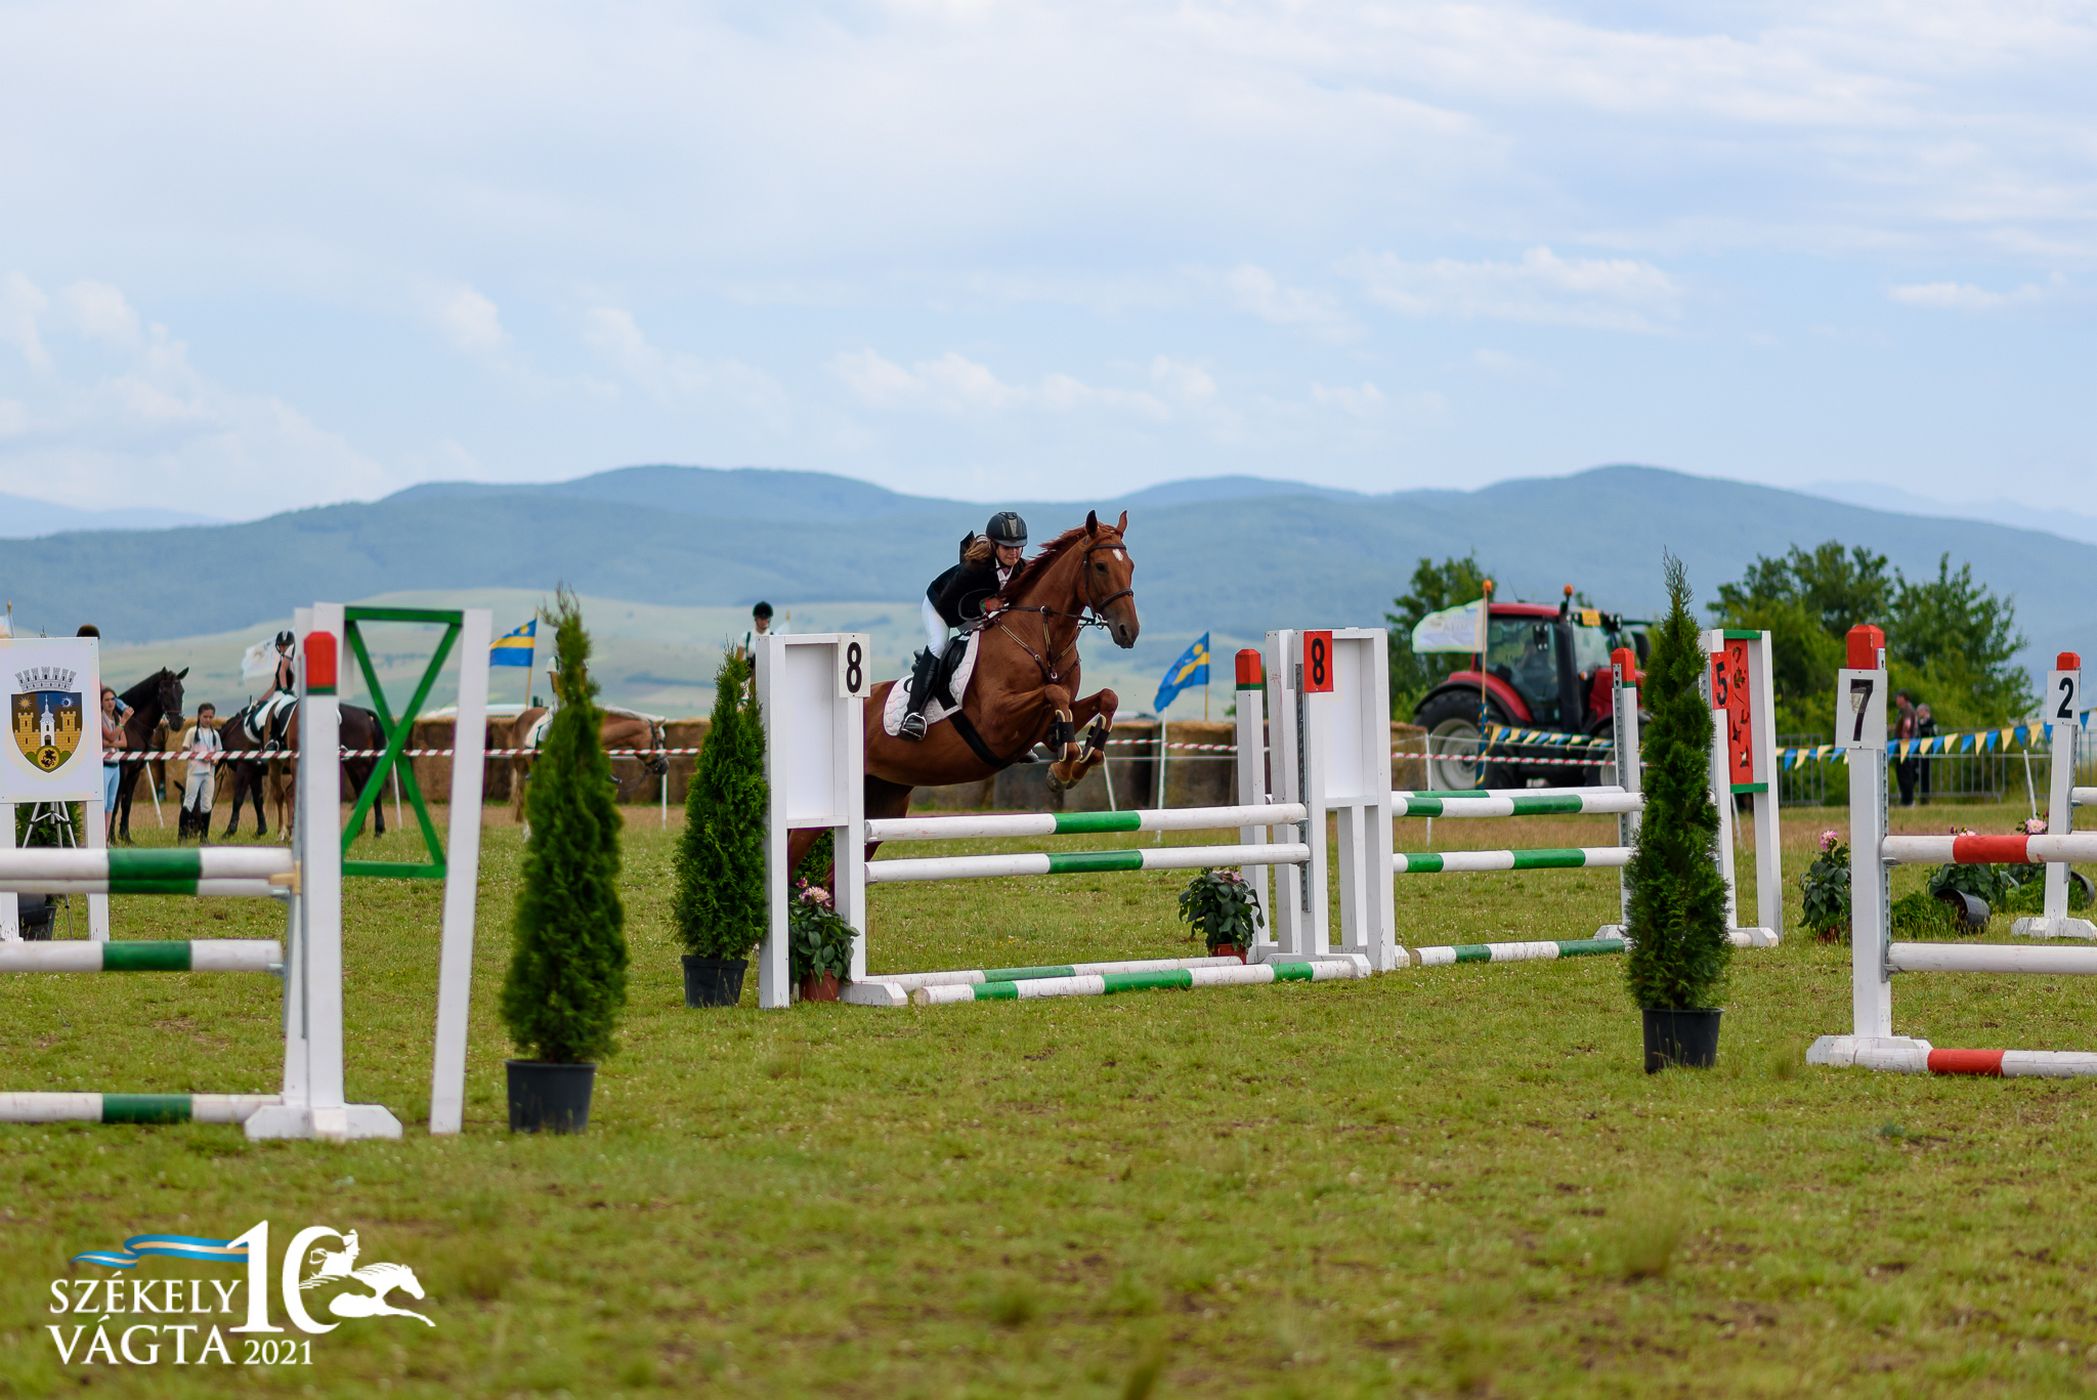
pixel 814 756
pixel 1744 739
pixel 1861 730
pixel 307 878
pixel 2063 708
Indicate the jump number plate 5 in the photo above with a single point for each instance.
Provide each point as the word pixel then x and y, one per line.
pixel 852 653
pixel 1317 663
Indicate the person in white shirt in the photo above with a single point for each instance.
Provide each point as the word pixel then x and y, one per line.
pixel 200 744
pixel 760 624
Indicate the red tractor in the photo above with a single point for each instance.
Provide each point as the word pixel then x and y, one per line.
pixel 1545 667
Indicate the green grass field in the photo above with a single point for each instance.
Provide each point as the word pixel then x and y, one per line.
pixel 1439 1181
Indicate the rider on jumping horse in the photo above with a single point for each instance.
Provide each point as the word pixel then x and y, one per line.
pixel 965 593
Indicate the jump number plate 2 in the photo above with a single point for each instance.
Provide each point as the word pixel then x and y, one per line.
pixel 2063 696
pixel 852 682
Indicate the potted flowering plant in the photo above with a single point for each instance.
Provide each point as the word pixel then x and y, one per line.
pixel 1219 905
pixel 819 944
pixel 1826 888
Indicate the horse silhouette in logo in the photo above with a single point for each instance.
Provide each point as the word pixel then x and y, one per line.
pixel 340 1266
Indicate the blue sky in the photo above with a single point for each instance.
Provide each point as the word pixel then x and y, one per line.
pixel 256 256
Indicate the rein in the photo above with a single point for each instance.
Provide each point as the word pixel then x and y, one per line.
pixel 1087 616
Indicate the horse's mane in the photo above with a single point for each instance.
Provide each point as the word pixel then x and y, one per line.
pixel 1034 570
pixel 149 688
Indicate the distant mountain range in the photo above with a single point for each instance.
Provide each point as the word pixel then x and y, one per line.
pixel 23 518
pixel 1234 556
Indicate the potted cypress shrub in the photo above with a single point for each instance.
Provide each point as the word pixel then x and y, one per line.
pixel 567 977
pixel 720 906
pixel 1677 917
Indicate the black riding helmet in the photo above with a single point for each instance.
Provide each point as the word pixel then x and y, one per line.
pixel 285 639
pixel 1006 528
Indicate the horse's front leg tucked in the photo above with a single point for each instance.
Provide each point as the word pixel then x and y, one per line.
pixel 1081 758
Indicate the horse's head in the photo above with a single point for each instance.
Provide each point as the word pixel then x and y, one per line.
pixel 1106 584
pixel 171 691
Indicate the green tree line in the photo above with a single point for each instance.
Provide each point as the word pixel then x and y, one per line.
pixel 1951 640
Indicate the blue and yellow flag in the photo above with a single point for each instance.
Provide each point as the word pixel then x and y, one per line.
pixel 1191 669
pixel 515 648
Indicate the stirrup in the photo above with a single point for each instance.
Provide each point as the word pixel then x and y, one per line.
pixel 913 728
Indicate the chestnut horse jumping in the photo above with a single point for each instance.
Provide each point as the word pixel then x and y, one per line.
pixel 1025 687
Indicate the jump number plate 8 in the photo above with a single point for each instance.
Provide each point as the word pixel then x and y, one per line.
pixel 1317 663
pixel 852 682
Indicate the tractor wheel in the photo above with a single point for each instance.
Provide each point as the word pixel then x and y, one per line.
pixel 1454 743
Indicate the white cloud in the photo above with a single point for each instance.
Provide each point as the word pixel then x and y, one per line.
pixel 1965 296
pixel 1364 400
pixel 100 313
pixel 155 429
pixel 954 384
pixel 469 320
pixel 679 379
pixel 1542 288
pixel 1257 291
pixel 21 304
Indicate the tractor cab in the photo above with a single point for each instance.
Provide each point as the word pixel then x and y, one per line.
pixel 1544 667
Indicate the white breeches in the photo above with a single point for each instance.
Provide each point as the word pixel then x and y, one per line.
pixel 197 787
pixel 935 626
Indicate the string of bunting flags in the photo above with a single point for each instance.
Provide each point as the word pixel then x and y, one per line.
pixel 1970 741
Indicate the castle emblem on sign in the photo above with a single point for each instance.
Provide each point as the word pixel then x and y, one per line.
pixel 46 716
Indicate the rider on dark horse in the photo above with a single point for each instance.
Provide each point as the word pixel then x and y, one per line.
pixel 964 594
pixel 268 716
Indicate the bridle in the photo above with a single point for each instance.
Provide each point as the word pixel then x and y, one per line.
pixel 1092 614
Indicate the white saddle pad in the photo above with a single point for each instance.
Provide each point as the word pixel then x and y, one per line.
pixel 899 693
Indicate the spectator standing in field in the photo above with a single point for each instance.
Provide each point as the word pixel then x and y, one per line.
pixel 201 745
pixel 760 624
pixel 113 745
pixel 1906 767
pixel 1925 729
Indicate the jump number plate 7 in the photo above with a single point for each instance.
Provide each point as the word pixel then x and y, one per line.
pixel 1860 710
pixel 852 682
pixel 1317 663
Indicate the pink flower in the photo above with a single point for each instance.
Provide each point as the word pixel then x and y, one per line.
pixel 816 896
pixel 1829 840
pixel 2035 826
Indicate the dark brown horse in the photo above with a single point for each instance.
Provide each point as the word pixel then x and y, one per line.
pixel 155 702
pixel 251 775
pixel 1024 690
pixel 617 729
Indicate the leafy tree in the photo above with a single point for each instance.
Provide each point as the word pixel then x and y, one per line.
pixel 1951 640
pixel 567 977
pixel 1953 643
pixel 1677 915
pixel 720 906
pixel 1435 585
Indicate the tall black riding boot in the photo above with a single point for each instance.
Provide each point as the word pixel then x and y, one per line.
pixel 922 671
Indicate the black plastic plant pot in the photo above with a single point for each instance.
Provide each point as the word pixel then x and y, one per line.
pixel 35 913
pixel 1969 912
pixel 713 981
pixel 548 1097
pixel 1681 1040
